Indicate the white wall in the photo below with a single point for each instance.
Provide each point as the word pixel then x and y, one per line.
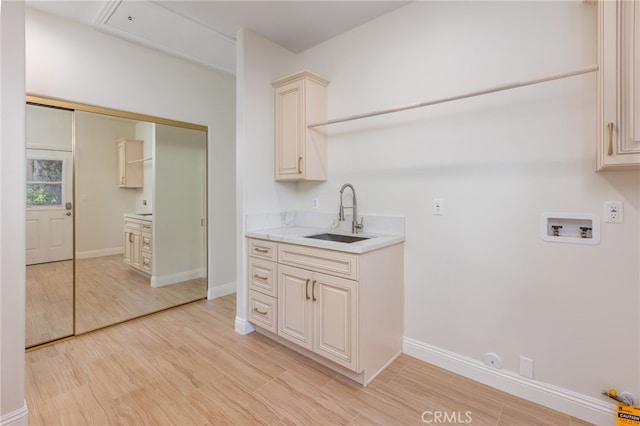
pixel 100 203
pixel 12 214
pixel 146 132
pixel 74 62
pixel 479 278
pixel 179 162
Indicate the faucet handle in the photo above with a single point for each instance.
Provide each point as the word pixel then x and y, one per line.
pixel 358 226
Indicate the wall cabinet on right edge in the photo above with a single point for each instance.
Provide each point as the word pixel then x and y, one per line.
pixel 618 84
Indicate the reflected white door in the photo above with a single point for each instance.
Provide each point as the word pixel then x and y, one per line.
pixel 49 208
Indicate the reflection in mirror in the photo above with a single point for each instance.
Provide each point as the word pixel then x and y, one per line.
pixel 116 209
pixel 140 235
pixel 49 225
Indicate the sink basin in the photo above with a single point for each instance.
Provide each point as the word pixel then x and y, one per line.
pixel 337 238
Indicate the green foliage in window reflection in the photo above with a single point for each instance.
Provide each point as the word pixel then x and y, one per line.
pixel 44 194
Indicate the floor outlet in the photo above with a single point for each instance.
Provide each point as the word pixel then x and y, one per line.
pixel 526 367
pixel 492 360
pixel 614 211
pixel 438 206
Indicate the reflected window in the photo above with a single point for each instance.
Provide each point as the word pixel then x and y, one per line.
pixel 44 182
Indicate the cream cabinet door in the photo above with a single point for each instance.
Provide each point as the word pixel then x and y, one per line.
pixel 295 308
pixel 335 305
pixel 289 121
pixel 132 249
pixel 300 153
pixel 619 84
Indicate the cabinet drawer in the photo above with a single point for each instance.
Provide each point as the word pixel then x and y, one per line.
pixel 145 263
pixel 133 224
pixel 330 262
pixel 263 249
pixel 146 242
pixel 263 311
pixel 263 276
pixel 145 225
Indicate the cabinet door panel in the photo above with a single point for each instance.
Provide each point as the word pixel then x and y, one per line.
pixel 289 110
pixel 619 84
pixel 294 306
pixel 336 319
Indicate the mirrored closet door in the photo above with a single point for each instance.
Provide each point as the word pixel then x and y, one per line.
pixel 127 194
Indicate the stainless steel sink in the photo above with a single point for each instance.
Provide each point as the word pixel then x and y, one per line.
pixel 337 238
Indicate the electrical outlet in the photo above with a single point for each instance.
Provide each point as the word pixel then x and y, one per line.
pixel 614 211
pixel 438 206
pixel 315 203
pixel 526 367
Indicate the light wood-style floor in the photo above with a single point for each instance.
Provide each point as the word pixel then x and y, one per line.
pixel 187 366
pixel 107 292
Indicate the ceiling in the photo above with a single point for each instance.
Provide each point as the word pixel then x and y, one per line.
pixel 205 31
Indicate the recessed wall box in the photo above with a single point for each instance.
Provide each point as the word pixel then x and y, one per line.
pixel 574 228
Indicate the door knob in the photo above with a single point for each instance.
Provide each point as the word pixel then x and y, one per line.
pixel 68 213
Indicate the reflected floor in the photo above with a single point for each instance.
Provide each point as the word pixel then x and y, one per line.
pixel 107 292
pixel 49 310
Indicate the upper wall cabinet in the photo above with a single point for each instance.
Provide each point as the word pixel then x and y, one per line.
pixel 618 84
pixel 130 173
pixel 300 153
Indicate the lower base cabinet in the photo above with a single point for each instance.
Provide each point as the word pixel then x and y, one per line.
pixel 344 310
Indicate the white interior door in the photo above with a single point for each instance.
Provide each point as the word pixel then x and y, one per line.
pixel 49 208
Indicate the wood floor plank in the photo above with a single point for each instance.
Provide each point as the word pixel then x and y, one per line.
pixel 297 400
pixel 187 366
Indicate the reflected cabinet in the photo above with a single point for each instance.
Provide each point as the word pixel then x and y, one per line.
pixel 115 208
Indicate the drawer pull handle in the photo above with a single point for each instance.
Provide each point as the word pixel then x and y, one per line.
pixel 258 277
pixel 313 290
pixel 299 164
pixel 259 311
pixel 610 150
pixel 261 250
pixel 306 289
pixel 130 237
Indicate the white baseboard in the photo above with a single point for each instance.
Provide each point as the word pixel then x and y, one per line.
pixel 243 326
pixel 17 417
pixel 162 280
pixel 566 401
pixel 221 290
pixel 87 254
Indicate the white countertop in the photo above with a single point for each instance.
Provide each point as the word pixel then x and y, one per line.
pixel 297 234
pixel 142 216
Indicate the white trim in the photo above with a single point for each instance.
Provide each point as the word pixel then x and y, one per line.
pixel 221 290
pixel 243 326
pixel 163 280
pixel 17 417
pixel 566 401
pixel 87 254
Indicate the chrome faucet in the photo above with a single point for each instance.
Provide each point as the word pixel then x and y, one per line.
pixel 355 226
